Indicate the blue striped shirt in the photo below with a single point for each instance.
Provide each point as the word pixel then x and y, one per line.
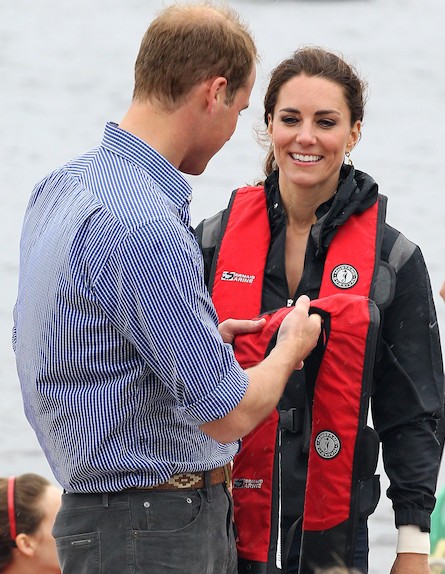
pixel 117 348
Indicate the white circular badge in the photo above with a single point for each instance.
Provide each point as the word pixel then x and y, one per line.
pixel 344 276
pixel 327 444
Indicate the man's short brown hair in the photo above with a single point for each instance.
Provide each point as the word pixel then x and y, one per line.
pixel 188 44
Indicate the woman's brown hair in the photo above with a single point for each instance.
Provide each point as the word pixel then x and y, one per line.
pixel 25 506
pixel 315 61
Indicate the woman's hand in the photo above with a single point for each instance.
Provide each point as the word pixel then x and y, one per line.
pixel 411 563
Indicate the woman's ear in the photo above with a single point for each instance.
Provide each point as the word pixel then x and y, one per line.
pixel 25 544
pixel 354 136
pixel 269 124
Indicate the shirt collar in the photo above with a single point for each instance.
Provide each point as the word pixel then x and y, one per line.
pixel 166 176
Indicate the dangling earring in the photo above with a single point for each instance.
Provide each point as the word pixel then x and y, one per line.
pixel 348 157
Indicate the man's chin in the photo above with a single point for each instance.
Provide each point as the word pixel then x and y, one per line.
pixel 192 169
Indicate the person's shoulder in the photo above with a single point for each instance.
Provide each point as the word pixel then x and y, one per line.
pixel 397 249
pixel 208 231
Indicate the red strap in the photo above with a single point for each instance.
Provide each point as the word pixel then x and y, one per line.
pixel 336 413
pixel 11 508
pixel 238 283
pixel 252 483
pixel 352 255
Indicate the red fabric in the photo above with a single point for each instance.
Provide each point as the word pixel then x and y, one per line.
pixel 336 409
pixel 252 481
pixel 238 299
pixel 337 399
pixel 11 508
pixel 255 490
pixel 360 251
pixel 251 348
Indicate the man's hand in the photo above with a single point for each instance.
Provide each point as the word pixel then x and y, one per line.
pixel 410 563
pixel 300 330
pixel 297 336
pixel 442 291
pixel 230 328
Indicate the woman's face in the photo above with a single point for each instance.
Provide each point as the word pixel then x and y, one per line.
pixel 45 555
pixel 311 132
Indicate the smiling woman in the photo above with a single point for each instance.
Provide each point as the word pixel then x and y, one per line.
pixel 311 134
pixel 316 214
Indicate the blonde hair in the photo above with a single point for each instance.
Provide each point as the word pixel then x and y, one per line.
pixel 188 44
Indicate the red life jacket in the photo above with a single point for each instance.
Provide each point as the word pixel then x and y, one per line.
pixel 340 389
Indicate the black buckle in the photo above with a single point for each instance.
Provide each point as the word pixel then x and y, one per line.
pixel 292 420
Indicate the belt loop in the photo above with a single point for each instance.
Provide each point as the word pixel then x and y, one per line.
pixel 208 485
pixel 105 500
pixel 228 475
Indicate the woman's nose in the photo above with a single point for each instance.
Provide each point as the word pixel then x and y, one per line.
pixel 305 135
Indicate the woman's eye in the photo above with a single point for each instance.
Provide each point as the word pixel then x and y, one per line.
pixel 326 123
pixel 290 120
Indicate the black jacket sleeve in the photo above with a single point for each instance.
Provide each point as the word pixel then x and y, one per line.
pixel 408 398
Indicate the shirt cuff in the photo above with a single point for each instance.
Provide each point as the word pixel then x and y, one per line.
pixel 412 539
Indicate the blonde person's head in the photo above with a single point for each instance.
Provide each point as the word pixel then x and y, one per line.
pixel 188 44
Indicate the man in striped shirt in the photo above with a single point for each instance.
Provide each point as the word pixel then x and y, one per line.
pixel 127 379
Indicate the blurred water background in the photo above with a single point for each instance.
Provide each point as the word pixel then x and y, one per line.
pixel 67 68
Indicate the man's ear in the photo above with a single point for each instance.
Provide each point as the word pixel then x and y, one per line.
pixel 25 544
pixel 216 92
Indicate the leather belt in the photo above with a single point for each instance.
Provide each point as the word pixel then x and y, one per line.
pixel 194 480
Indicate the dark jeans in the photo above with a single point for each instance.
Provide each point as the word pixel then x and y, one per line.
pixel 360 554
pixel 147 532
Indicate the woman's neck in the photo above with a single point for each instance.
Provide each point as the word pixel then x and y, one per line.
pixel 23 565
pixel 300 204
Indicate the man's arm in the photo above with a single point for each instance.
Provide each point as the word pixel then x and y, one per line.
pixel 297 336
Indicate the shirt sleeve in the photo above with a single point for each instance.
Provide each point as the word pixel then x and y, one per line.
pixel 408 400
pixel 153 291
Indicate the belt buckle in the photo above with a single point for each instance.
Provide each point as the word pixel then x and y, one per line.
pixel 184 480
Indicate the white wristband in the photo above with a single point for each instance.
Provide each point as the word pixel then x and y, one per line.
pixel 412 539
